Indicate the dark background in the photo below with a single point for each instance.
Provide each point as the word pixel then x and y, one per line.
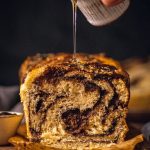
pixel 32 26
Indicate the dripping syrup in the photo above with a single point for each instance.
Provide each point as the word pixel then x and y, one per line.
pixel 74 8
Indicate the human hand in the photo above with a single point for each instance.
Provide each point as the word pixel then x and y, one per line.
pixel 111 2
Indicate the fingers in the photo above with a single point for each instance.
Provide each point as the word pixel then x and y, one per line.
pixel 111 2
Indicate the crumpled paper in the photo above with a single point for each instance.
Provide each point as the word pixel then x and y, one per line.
pixel 21 143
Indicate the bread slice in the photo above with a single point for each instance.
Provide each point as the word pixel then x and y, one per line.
pixel 71 103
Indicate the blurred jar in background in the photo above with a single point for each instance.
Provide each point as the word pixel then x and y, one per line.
pixel 139 71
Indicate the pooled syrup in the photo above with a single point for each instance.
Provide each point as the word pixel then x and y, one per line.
pixel 6 114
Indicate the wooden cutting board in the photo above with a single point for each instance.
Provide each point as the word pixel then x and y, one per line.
pixel 7 148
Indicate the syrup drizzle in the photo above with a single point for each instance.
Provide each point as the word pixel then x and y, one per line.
pixel 74 8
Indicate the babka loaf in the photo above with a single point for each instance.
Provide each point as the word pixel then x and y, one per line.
pixel 74 103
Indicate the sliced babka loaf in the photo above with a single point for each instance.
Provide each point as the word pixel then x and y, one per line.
pixel 74 103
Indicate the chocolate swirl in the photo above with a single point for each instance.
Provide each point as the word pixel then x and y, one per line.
pixel 85 99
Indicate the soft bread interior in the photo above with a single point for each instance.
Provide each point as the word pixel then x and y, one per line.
pixel 77 104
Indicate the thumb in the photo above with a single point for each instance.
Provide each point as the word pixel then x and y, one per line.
pixel 111 2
